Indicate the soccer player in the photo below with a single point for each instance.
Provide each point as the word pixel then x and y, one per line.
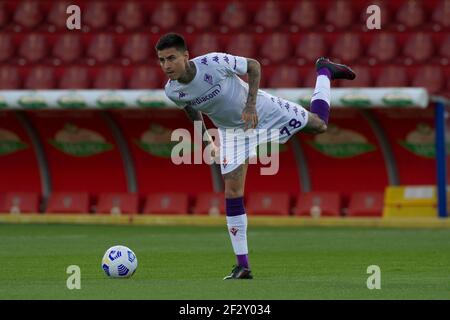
pixel 210 84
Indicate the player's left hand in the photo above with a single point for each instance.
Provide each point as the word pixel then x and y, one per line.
pixel 250 116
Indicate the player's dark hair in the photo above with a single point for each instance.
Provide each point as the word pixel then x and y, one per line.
pixel 171 40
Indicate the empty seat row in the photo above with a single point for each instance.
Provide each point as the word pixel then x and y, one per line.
pixel 236 15
pixel 270 48
pixel 313 204
pixel 432 77
pixel 78 77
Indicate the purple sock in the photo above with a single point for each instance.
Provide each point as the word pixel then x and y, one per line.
pixel 324 72
pixel 321 108
pixel 242 260
pixel 234 206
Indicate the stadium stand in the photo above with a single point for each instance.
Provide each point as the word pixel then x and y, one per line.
pixel 68 202
pixel 316 204
pixel 268 203
pixel 32 29
pixel 21 202
pixel 210 203
pixel 366 204
pixel 117 203
pixel 166 203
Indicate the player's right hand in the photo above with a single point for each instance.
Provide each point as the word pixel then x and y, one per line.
pixel 250 117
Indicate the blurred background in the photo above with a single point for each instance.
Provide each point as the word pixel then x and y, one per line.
pixel 118 161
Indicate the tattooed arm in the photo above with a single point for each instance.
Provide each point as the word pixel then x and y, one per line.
pixel 249 114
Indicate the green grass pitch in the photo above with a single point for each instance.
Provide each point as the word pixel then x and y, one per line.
pixel 179 262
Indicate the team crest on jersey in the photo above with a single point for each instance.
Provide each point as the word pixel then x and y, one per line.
pixel 224 162
pixel 208 78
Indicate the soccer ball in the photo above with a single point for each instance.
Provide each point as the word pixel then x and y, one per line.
pixel 119 262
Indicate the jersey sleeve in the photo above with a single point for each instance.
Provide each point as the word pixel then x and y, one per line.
pixel 230 63
pixel 179 104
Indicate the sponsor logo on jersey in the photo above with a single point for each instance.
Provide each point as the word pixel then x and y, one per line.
pixel 210 94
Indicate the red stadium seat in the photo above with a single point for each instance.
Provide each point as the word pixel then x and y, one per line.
pixel 4 15
pixel 102 49
pixel 75 77
pixel 40 78
pixel 200 17
pixel 265 203
pixel 9 78
pixel 441 15
pixel 383 48
pixel 205 43
pixel 164 17
pixel 444 51
pixel 67 49
pixel 234 17
pixel 131 16
pixel 68 202
pixel 166 203
pixel 33 48
pixel 269 16
pixel 410 15
pixel 243 44
pixel 309 78
pixel 6 47
pixel 304 16
pixel 429 77
pixel 366 204
pixel 118 203
pixel 136 49
pixel 21 202
pixel 364 78
pixel 285 76
pixel 310 47
pixel 57 16
pixel 96 16
pixel 145 77
pixel 3 208
pixel 315 204
pixel 210 203
pixel 339 15
pixel 347 47
pixel 276 48
pixel 28 15
pixel 418 48
pixel 110 77
pixel 392 76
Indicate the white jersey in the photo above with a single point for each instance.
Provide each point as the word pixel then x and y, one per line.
pixel 217 91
